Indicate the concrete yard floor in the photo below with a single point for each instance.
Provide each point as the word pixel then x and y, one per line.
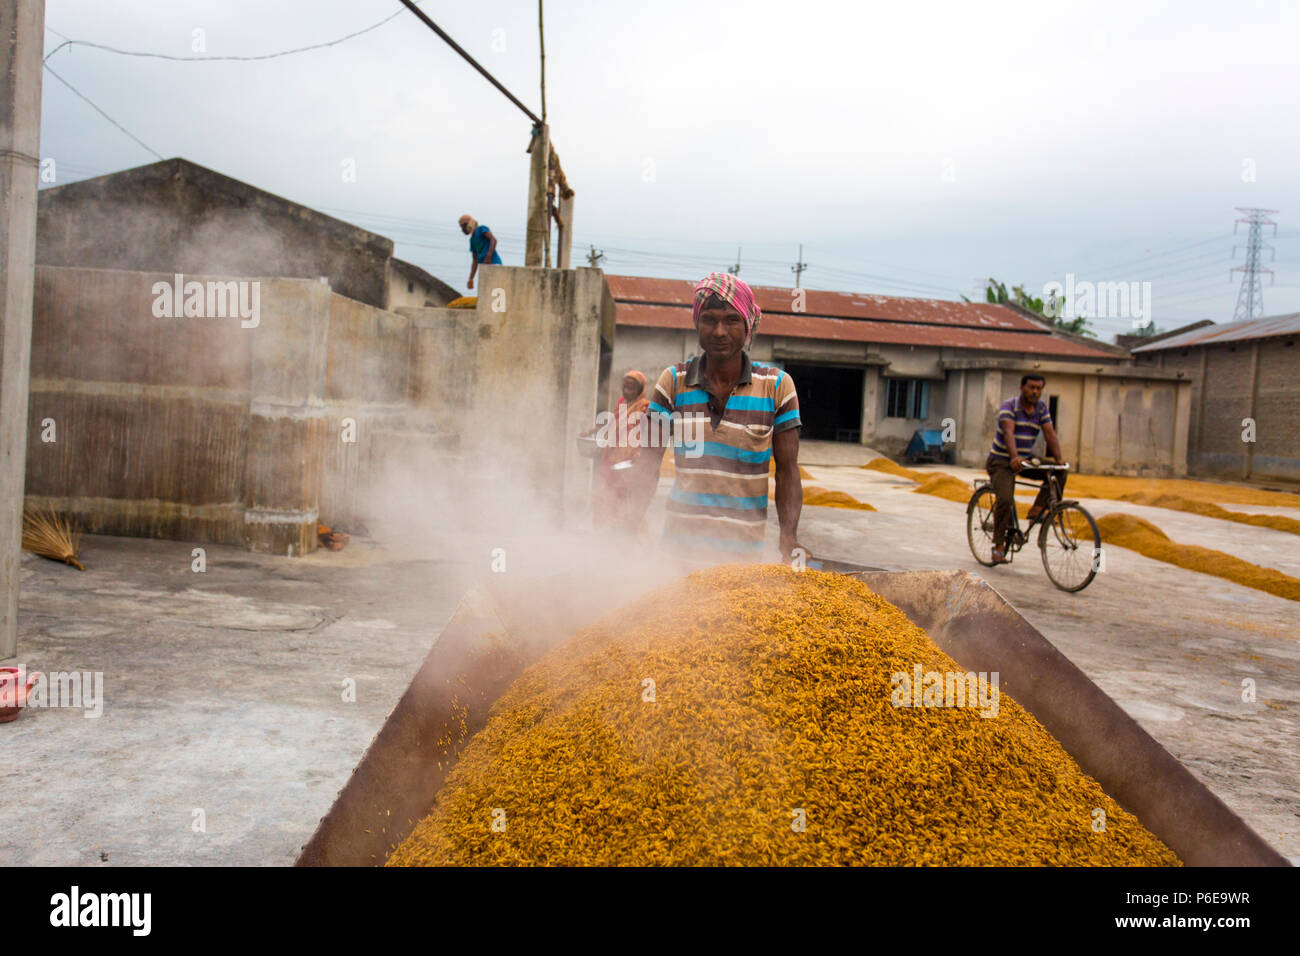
pixel 1171 646
pixel 224 690
pixel 223 695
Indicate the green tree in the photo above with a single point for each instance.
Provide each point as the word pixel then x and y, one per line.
pixel 1148 330
pixel 996 292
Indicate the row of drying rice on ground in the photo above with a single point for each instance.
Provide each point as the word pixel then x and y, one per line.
pixel 1215 527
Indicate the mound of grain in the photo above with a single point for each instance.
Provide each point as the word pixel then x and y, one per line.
pixel 1116 487
pixel 813 495
pixel 946 486
pixel 893 468
pixel 1210 510
pixel 745 716
pixel 1140 535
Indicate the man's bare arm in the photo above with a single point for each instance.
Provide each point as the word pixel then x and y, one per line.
pixel 1009 439
pixel 1053 444
pixel 789 488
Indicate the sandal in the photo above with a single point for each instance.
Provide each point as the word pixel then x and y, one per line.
pixel 1000 557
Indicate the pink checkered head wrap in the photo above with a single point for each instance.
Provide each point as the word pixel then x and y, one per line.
pixel 734 292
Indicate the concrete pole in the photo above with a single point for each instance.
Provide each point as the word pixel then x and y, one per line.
pixel 22 38
pixel 537 224
pixel 565 236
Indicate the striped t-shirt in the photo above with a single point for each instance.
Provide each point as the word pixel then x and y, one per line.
pixel 719 498
pixel 1028 425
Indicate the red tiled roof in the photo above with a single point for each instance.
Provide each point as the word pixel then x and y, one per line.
pixel 850 317
pixel 870 330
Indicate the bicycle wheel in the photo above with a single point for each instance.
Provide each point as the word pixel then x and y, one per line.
pixel 1071 545
pixel 979 525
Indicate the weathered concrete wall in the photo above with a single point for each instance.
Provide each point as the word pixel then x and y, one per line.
pixel 410 287
pixel 200 429
pixel 441 373
pixel 536 374
pixel 283 469
pixel 368 419
pixel 176 216
pixel 1120 420
pixel 137 425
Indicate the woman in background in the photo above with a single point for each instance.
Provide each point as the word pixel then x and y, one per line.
pixel 610 499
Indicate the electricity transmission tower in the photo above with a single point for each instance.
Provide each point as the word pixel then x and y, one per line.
pixel 1250 300
pixel 594 257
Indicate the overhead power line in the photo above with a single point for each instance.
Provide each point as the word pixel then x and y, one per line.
pixel 194 59
pixel 410 5
pixel 102 113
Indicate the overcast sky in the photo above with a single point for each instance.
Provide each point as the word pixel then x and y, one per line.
pixel 914 149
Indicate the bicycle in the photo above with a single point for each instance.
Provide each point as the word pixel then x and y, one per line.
pixel 1065 532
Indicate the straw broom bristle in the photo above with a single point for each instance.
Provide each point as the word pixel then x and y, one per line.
pixel 50 536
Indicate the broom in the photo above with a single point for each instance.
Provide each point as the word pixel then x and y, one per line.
pixel 50 536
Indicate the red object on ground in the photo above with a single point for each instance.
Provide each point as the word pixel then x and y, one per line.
pixel 14 691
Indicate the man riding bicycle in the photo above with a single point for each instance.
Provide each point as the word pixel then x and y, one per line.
pixel 1019 421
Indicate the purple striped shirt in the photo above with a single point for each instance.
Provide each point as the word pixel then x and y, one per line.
pixel 1028 425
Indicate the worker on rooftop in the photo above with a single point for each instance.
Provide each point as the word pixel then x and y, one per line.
pixel 482 245
pixel 728 418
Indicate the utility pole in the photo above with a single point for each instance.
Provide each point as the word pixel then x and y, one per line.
pixel 798 267
pixel 594 257
pixel 539 225
pixel 22 36
pixel 1250 300
pixel 735 270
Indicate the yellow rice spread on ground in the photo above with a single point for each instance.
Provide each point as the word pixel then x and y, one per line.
pixel 1138 534
pixel 771 708
pixel 812 495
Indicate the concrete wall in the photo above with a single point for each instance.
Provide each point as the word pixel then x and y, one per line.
pixel 441 374
pixel 537 380
pixel 368 417
pixel 137 425
pixel 408 289
pixel 200 429
pixel 1120 420
pixel 175 216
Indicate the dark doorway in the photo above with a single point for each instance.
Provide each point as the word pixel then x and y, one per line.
pixel 830 401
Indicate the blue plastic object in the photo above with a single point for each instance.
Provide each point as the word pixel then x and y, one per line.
pixel 926 445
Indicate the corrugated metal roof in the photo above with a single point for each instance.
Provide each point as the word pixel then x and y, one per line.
pixel 891 332
pixel 1229 332
pixel 841 305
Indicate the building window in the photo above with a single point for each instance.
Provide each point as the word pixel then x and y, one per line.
pixel 410 287
pixel 1051 408
pixel 907 398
